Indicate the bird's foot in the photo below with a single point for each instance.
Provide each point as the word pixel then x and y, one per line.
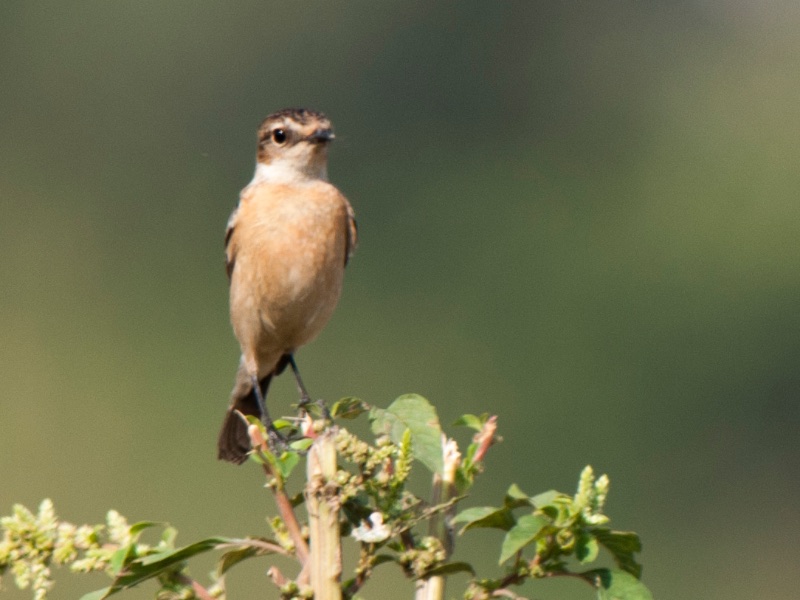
pixel 316 409
pixel 326 414
pixel 305 400
pixel 275 441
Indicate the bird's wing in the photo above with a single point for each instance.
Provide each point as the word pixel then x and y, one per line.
pixel 352 233
pixel 230 243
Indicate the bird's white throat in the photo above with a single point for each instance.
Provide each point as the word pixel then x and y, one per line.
pixel 286 172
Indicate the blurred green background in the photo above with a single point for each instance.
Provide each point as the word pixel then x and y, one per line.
pixel 580 216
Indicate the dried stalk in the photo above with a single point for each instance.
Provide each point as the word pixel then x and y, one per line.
pixel 322 502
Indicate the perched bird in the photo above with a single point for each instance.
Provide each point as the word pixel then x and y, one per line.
pixel 287 244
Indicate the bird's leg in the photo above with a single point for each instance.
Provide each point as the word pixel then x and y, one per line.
pixel 276 441
pixel 262 406
pixel 305 399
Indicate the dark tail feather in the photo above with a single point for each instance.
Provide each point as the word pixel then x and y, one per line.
pixel 234 442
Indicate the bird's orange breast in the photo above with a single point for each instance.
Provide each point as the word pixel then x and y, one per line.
pixel 288 244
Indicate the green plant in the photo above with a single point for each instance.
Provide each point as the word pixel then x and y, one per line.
pixel 356 491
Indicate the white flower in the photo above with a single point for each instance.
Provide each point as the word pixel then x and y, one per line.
pixel 373 532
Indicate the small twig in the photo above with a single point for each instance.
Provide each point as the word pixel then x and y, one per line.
pixel 289 519
pixel 514 577
pixel 201 592
pixel 277 577
pixel 485 438
pixel 255 543
pixel 355 585
pixel 507 594
pixel 283 502
pixel 365 565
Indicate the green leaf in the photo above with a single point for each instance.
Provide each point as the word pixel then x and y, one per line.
pixel 465 474
pixel 247 550
pixel 280 466
pixel 349 408
pixel 383 558
pixel 450 569
pixel 613 584
pixel 234 557
pixel 168 537
pixel 122 557
pixel 522 534
pixel 485 516
pixel 515 497
pixel 153 565
pixel 547 498
pixel 471 421
pixel 98 594
pixel 622 545
pixel 282 424
pixel 414 413
pixel 286 462
pixel 171 557
pixel 137 528
pixel 302 444
pixel 587 548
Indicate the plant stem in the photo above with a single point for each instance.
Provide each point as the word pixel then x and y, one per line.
pixel 286 510
pixel 201 592
pixel 432 588
pixel 322 502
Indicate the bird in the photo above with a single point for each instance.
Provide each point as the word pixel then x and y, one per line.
pixel 287 244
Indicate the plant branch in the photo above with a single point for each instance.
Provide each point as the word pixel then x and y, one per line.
pixel 323 503
pixel 432 588
pixel 256 543
pixel 201 592
pixel 286 511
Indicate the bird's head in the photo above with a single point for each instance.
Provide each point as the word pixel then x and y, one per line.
pixel 293 144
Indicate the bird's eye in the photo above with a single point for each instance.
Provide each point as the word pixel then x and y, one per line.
pixel 279 136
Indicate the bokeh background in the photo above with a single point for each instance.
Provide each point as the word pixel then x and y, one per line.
pixel 580 216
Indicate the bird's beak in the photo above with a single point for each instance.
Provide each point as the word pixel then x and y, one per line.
pixel 321 136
